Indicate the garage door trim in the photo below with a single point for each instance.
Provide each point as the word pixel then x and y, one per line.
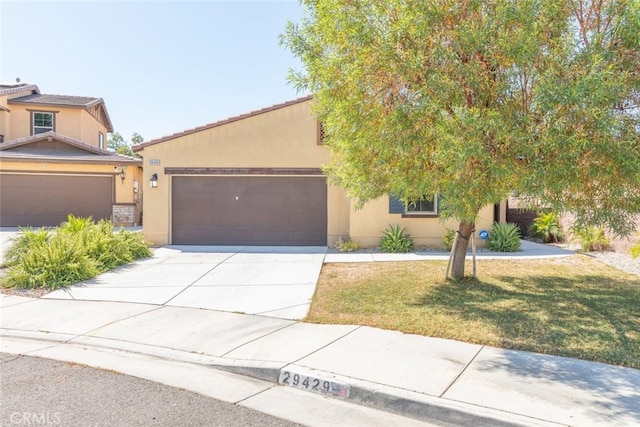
pixel 244 171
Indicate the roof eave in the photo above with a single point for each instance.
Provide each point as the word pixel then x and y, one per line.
pixel 139 147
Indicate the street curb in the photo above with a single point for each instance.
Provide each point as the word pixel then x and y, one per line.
pixel 406 403
pixel 393 400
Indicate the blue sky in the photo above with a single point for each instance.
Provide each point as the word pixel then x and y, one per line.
pixel 161 66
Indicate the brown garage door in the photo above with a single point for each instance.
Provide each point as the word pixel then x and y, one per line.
pixel 47 200
pixel 249 211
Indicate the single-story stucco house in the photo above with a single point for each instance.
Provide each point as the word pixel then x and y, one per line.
pixel 256 179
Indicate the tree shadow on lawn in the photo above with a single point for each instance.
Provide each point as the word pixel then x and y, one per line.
pixel 588 317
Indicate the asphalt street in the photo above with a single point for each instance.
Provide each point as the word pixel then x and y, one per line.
pixel 36 391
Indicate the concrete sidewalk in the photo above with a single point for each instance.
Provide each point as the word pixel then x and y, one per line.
pixel 441 382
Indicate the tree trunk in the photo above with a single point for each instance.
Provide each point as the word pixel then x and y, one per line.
pixel 459 255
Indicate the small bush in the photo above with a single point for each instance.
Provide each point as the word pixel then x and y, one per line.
pixel 546 226
pixel 346 245
pixel 448 238
pixel 504 237
pixel 396 240
pixel 635 250
pixel 592 239
pixel 77 250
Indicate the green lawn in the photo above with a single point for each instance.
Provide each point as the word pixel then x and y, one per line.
pixel 576 306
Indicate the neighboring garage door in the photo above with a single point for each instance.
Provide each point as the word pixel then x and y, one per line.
pixel 249 211
pixel 47 200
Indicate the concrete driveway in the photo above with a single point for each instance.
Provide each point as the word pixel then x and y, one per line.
pixel 269 281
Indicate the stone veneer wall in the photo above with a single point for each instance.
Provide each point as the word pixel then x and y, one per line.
pixel 124 214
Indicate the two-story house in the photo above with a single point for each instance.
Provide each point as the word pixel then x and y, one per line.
pixel 54 161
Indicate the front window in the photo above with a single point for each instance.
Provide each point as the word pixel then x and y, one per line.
pixel 423 206
pixel 42 122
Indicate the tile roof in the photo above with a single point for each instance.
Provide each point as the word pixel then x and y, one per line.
pixel 7 89
pixel 12 150
pixel 95 106
pixel 140 147
pixel 72 101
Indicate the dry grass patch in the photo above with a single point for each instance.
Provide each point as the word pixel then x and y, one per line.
pixel 576 306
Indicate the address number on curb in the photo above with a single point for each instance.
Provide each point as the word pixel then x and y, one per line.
pixel 313 384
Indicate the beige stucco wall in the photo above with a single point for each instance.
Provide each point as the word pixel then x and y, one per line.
pixel 3 123
pixel 369 222
pixel 72 122
pixel 89 129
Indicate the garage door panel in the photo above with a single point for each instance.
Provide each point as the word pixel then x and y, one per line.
pixel 299 221
pixel 47 200
pixel 308 204
pixel 299 237
pixel 269 210
pixel 269 202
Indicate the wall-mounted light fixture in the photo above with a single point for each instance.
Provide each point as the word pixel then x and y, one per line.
pixel 119 170
pixel 153 182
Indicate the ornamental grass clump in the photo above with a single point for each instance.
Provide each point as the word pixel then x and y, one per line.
pixel 396 240
pixel 504 237
pixel 77 250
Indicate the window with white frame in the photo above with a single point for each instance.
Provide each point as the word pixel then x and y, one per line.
pixel 42 122
pixel 419 208
pixel 101 140
pixel 423 206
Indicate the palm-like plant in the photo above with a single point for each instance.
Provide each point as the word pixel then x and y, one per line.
pixel 547 227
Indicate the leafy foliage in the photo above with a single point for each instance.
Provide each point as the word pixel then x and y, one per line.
pixel 77 250
pixel 547 227
pixel 472 100
pixel 635 250
pixel 504 237
pixel 117 143
pixel 448 238
pixel 346 245
pixel 396 240
pixel 592 239
pixel 21 244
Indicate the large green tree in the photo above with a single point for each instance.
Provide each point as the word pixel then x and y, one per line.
pixel 473 99
pixel 117 143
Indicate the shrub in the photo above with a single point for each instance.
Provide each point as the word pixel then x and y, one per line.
pixel 504 237
pixel 54 263
pixel 78 249
pixel 22 242
pixel 592 239
pixel 346 245
pixel 448 238
pixel 635 250
pixel 546 226
pixel 396 240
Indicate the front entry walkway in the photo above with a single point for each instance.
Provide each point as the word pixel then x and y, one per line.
pixel 270 281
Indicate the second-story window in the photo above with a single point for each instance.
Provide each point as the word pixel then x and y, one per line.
pixel 101 140
pixel 42 122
